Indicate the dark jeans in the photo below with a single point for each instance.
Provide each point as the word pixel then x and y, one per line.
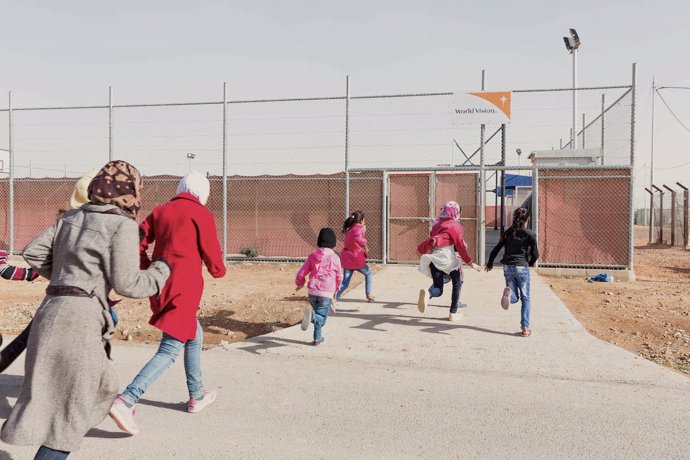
pixel 46 453
pixel 436 289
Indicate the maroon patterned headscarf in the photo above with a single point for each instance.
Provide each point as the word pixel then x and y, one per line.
pixel 118 183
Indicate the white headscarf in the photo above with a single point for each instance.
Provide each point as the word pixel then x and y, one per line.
pixel 80 195
pixel 196 184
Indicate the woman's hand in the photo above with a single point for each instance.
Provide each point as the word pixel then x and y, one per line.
pixel 488 268
pixel 477 267
pixel 299 287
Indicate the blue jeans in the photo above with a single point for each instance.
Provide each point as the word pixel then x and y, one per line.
pixel 46 453
pixel 347 276
pixel 436 289
pixel 163 359
pixel 321 306
pixel 517 279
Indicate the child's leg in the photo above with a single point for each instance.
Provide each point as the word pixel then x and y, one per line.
pixel 455 296
pixel 321 306
pixel 161 361
pixel 366 271
pixel 524 288
pixel 436 289
pixel 192 364
pixel 347 276
pixel 510 275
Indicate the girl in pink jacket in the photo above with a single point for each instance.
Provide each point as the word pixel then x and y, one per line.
pixel 323 268
pixel 353 257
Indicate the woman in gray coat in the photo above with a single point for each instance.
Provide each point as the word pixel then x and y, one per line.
pixel 69 381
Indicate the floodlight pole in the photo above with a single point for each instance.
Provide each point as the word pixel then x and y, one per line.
pixel 573 144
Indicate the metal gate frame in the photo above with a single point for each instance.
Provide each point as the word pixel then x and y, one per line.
pixel 431 200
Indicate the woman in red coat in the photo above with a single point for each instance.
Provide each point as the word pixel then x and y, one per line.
pixel 185 235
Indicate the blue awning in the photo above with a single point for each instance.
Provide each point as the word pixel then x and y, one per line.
pixel 512 181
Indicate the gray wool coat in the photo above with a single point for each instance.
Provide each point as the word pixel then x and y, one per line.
pixel 69 381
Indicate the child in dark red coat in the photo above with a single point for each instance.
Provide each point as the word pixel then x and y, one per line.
pixel 441 258
pixel 185 235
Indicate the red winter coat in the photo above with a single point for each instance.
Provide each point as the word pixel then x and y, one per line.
pixel 447 232
pixel 185 235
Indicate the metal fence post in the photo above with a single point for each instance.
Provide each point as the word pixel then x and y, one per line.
pixel 481 240
pixel 503 177
pixel 110 123
pixel 347 146
pixel 660 239
pixel 651 211
pixel 11 181
pixel 631 225
pixel 225 169
pixel 686 216
pixel 386 211
pixel 603 126
pixel 673 215
pixel 384 219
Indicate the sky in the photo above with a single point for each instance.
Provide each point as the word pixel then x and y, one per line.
pixel 69 52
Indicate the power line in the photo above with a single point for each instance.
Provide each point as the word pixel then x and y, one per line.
pixel 674 167
pixel 669 109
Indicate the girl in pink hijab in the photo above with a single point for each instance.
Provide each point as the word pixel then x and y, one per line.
pixel 441 254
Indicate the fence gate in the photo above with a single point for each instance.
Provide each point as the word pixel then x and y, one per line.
pixel 415 199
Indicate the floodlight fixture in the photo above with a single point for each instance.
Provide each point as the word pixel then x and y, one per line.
pixel 573 42
pixel 191 156
pixel 518 151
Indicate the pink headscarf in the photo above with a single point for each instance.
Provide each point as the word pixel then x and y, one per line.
pixel 450 210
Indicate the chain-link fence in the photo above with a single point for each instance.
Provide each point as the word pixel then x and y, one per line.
pixel 671 216
pixel 293 166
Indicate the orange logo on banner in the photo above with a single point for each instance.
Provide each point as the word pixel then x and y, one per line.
pixel 500 99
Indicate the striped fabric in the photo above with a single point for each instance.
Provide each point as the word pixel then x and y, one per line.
pixel 12 273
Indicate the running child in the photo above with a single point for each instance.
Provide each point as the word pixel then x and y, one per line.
pixel 185 235
pixel 521 252
pixel 323 268
pixel 355 250
pixel 441 254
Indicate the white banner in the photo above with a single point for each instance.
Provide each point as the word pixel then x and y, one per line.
pixel 487 108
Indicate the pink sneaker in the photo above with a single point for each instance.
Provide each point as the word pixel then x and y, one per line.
pixel 197 405
pixel 123 416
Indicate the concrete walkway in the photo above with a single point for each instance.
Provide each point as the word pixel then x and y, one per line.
pixel 390 383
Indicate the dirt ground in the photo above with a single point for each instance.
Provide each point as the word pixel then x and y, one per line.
pixel 650 316
pixel 252 299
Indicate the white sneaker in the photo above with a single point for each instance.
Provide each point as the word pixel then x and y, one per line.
pixel 505 300
pixel 423 300
pixel 454 317
pixel 306 318
pixel 123 416
pixel 197 405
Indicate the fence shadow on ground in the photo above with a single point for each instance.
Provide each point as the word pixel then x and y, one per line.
pixel 424 324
